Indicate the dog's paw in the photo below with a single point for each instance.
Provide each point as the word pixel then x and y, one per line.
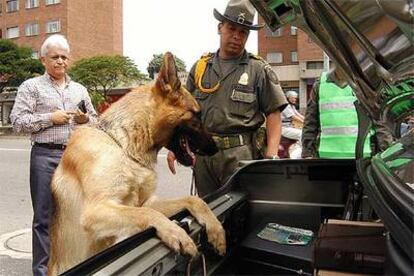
pixel 217 237
pixel 176 238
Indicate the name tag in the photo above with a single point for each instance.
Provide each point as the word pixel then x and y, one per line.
pixel 246 95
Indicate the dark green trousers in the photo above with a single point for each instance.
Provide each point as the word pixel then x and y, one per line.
pixel 212 172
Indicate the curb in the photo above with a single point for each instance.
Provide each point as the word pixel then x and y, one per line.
pixel 12 137
pixel 6 132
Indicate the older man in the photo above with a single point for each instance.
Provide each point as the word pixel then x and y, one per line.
pixel 291 117
pixel 47 108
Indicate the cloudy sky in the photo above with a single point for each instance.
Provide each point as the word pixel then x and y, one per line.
pixel 187 28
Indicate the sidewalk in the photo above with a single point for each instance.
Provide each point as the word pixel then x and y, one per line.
pixel 15 253
pixel 17 244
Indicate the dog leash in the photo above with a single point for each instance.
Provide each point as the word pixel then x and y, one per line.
pixel 193 188
pixel 203 260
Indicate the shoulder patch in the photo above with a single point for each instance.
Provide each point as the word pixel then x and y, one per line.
pixel 257 57
pixel 207 54
pixel 271 74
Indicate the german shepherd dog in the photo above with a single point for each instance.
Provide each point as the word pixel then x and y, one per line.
pixel 103 187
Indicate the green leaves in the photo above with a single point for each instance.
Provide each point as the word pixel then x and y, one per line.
pixel 100 74
pixel 156 62
pixel 16 64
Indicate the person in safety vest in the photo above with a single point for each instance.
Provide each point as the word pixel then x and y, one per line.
pixel 331 124
pixel 237 91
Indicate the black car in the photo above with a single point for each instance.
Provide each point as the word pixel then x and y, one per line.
pixel 379 66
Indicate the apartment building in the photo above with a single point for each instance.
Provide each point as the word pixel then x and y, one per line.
pixel 92 27
pixel 296 59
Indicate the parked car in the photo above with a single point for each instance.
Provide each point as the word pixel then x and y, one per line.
pixel 372 41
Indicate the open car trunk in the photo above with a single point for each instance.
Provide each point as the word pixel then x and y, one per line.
pixel 297 193
pixel 372 42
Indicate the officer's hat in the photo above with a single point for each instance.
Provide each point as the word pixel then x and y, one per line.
pixel 240 12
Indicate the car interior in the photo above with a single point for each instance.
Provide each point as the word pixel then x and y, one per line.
pixel 372 41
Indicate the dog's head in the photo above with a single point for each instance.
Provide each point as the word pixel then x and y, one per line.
pixel 179 127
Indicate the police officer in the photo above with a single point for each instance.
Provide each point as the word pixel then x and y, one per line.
pixel 237 91
pixel 331 123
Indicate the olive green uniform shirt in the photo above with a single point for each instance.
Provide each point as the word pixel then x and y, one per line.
pixel 249 91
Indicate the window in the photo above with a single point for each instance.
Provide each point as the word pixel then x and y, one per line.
pixel 30 4
pixel 314 65
pixel 294 56
pixel 32 29
pixel 293 30
pixel 12 5
pixel 12 32
pixel 275 57
pixel 276 33
pixel 51 2
pixel 35 54
pixel 53 26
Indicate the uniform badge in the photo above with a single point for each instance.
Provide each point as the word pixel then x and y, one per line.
pixel 271 74
pixel 244 79
pixel 241 18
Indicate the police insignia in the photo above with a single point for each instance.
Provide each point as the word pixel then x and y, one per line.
pixel 271 74
pixel 244 79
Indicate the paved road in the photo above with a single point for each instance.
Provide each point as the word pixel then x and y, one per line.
pixel 15 205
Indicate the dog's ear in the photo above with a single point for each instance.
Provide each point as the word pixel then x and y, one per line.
pixel 167 80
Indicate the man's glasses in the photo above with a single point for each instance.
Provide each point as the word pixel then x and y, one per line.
pixel 62 57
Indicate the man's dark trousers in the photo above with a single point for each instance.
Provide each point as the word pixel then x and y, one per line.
pixel 43 162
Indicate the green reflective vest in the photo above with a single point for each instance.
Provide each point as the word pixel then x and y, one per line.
pixel 339 121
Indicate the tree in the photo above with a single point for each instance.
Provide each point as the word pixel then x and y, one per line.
pixel 100 74
pixel 16 64
pixel 156 62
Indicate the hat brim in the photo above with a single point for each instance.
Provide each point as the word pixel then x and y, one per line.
pixel 222 18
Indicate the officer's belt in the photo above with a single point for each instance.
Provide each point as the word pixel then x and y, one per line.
pixel 232 140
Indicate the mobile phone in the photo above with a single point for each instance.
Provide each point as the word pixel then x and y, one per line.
pixel 82 106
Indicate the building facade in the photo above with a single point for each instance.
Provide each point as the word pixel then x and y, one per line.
pixel 296 59
pixel 92 27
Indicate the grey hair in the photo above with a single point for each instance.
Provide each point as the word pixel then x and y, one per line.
pixel 291 93
pixel 56 40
